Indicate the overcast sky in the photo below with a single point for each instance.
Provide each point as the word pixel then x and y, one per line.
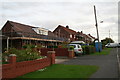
pixel 77 14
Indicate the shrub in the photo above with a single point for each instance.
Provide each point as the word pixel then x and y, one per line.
pixel 63 45
pixel 84 51
pixel 25 46
pixel 29 46
pixel 88 49
pixel 22 55
pixel 71 47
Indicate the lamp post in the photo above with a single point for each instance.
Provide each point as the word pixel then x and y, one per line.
pixel 96 27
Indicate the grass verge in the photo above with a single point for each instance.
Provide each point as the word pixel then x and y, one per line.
pixel 105 51
pixel 63 71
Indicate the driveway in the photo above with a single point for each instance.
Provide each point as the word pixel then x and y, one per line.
pixel 108 64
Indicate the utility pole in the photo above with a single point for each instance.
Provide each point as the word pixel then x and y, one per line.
pixel 96 27
pixel 109 36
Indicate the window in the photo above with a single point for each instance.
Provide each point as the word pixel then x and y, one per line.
pixel 73 46
pixel 70 36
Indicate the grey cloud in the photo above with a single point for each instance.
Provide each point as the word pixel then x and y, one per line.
pixel 79 16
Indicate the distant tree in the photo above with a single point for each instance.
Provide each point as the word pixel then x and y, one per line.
pixel 107 40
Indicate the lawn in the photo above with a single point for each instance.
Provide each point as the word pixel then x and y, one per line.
pixel 63 71
pixel 105 51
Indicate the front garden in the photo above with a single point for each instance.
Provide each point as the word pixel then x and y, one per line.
pixel 63 71
pixel 28 52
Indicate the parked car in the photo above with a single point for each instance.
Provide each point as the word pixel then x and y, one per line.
pixel 118 45
pixel 111 45
pixel 77 49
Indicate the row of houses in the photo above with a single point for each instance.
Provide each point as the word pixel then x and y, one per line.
pixel 71 35
pixel 17 35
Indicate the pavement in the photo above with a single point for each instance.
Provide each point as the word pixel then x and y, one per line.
pixel 60 59
pixel 108 64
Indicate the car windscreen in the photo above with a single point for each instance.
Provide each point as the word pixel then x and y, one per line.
pixel 79 46
pixel 72 45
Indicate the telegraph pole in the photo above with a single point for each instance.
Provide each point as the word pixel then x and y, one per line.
pixel 96 27
pixel 109 36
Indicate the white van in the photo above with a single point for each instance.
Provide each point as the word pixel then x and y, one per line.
pixel 111 45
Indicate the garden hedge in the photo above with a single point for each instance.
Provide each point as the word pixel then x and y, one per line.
pixel 88 49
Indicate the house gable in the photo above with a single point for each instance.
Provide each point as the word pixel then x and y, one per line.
pixel 60 32
pixel 7 28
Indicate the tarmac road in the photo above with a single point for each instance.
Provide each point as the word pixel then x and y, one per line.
pixel 108 64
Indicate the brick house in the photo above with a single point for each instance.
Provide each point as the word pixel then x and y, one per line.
pixel 87 39
pixel 80 36
pixel 71 35
pixel 83 37
pixel 66 33
pixel 92 38
pixel 21 34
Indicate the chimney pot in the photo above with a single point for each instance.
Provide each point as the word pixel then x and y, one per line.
pixel 67 26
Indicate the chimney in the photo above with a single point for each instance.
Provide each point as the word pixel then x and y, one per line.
pixel 67 26
pixel 81 31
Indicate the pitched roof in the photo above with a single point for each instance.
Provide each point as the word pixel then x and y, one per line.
pixel 70 31
pixel 91 36
pixel 22 27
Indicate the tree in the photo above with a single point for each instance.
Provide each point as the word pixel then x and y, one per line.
pixel 107 40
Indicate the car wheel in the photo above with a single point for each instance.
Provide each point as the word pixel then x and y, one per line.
pixel 76 54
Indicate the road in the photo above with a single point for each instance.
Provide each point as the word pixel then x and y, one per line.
pixel 118 58
pixel 108 64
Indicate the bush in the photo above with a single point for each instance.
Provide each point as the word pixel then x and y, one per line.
pixel 29 46
pixel 22 55
pixel 84 51
pixel 63 45
pixel 71 47
pixel 88 49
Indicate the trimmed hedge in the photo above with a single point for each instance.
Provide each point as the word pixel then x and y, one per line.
pixel 88 49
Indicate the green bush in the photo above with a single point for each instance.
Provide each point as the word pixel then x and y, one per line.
pixel 29 46
pixel 22 55
pixel 71 47
pixel 88 49
pixel 84 51
pixel 64 45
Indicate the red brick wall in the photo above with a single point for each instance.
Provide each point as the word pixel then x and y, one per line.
pixel 15 69
pixel 58 51
pixel 61 52
pixel 44 51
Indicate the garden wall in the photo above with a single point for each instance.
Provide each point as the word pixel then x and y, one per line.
pixel 15 69
pixel 58 51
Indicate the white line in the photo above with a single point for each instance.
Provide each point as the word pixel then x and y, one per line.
pixel 118 64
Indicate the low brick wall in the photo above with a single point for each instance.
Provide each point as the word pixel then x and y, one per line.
pixel 15 69
pixel 58 51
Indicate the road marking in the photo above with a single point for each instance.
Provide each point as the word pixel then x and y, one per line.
pixel 118 64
